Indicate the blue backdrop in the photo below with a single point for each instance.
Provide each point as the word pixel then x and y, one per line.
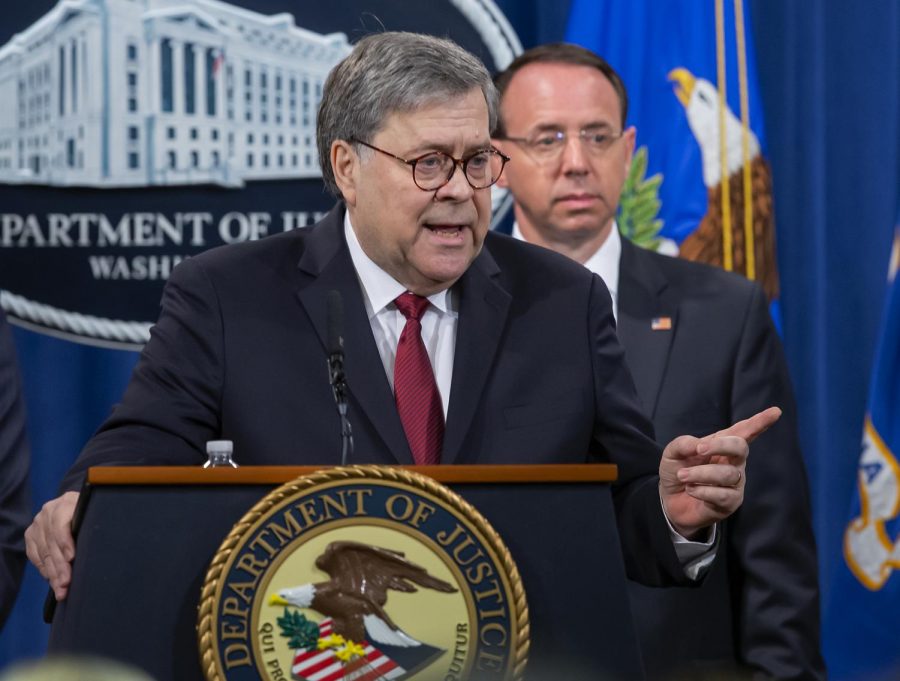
pixel 828 73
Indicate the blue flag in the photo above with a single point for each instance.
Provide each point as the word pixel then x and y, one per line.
pixel 862 632
pixel 669 56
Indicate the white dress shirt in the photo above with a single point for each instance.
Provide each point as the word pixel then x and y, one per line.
pixel 439 321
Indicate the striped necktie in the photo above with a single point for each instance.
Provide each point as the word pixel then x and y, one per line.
pixel 415 390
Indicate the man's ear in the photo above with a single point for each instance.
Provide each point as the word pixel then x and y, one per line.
pixel 345 165
pixel 630 136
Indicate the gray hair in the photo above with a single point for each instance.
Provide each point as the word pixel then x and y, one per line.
pixel 388 73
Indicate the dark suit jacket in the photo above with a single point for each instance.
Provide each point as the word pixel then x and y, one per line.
pixel 15 503
pixel 722 362
pixel 539 375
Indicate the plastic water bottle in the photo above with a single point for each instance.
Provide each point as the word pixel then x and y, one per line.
pixel 218 454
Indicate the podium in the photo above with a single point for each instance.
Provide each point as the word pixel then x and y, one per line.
pixel 145 537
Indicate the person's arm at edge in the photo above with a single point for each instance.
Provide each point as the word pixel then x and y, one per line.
pixel 15 500
pixel 169 409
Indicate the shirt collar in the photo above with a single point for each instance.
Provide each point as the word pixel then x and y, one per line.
pixel 605 261
pixel 379 288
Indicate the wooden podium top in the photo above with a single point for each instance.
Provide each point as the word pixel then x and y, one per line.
pixel 277 475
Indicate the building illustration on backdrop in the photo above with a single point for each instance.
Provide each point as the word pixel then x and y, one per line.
pixel 113 93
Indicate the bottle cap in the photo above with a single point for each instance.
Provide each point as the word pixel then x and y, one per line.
pixel 219 447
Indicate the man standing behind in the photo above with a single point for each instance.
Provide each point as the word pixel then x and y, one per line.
pixel 703 353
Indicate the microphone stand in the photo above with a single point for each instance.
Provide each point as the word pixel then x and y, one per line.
pixel 339 389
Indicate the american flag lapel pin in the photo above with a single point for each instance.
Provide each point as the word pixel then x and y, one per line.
pixel 661 324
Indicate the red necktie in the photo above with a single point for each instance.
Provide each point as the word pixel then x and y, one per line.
pixel 415 390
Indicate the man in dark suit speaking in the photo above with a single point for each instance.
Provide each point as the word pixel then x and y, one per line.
pixel 703 352
pixel 460 346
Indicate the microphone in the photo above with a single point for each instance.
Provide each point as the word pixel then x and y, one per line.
pixel 335 347
pixel 335 323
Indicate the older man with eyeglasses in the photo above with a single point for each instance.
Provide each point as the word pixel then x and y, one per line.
pixel 460 346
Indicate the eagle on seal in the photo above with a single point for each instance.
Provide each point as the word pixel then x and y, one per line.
pixel 700 99
pixel 355 596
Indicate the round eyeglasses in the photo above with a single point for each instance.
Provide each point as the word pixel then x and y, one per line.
pixel 433 170
pixel 547 145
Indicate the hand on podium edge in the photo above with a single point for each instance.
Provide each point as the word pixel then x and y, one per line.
pixel 701 480
pixel 49 543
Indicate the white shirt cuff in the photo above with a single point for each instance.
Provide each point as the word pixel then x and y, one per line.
pixel 695 556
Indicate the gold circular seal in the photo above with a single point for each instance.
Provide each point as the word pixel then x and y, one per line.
pixel 363 573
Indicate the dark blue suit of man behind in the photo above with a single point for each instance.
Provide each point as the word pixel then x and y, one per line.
pixel 760 602
pixel 722 361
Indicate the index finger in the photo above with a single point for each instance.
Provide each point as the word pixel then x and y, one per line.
pixel 751 428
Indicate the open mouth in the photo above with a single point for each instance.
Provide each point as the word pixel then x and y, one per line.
pixel 445 231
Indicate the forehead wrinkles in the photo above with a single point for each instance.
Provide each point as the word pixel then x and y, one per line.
pixel 442 125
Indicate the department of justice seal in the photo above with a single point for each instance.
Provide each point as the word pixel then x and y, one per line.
pixel 359 574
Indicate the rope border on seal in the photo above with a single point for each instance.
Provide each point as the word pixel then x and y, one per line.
pixel 76 323
pixel 205 622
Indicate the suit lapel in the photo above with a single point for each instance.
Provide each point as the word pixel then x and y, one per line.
pixel 483 308
pixel 643 297
pixel 328 265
